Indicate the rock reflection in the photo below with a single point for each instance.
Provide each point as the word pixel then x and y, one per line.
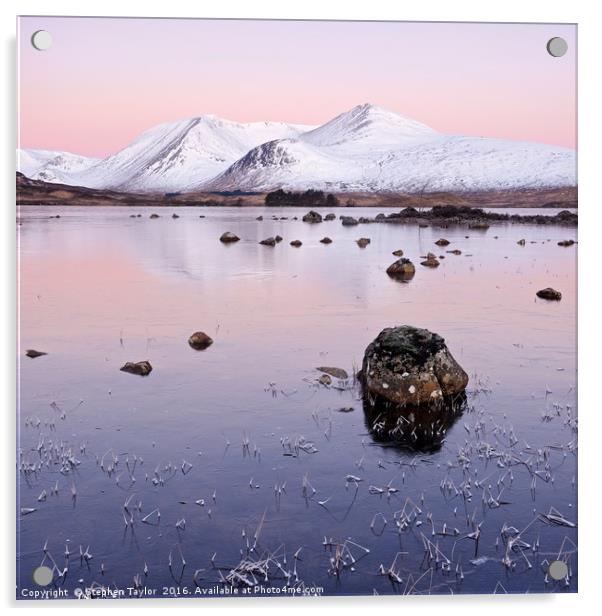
pixel 420 429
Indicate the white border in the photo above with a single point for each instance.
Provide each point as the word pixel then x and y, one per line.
pixel 583 12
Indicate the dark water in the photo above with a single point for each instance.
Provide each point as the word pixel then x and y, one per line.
pixel 98 288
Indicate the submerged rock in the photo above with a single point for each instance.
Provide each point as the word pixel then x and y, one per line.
pixel 402 268
pixel 259 218
pixel 325 380
pixel 200 341
pixel 33 353
pixel 174 215
pixel 297 243
pixel 442 242
pixel 479 225
pixel 326 240
pixel 338 373
pixel 549 294
pixel 228 237
pixel 409 366
pixel 566 242
pixel 142 368
pixel 430 261
pixel 270 241
pixel 363 242
pixel 312 216
pixel 154 216
pixel 454 252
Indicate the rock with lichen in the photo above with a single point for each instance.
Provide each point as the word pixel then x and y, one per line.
pixel 409 366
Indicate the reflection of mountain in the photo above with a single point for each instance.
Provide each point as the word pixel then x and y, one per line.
pixel 365 149
pixel 420 429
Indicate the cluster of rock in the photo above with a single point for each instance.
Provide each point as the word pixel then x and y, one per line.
pixel 271 241
pixel 475 218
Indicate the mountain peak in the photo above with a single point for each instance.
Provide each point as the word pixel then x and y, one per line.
pixel 367 123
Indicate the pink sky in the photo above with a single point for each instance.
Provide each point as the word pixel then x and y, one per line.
pixel 104 81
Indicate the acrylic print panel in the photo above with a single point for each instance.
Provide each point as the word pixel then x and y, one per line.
pixel 297 308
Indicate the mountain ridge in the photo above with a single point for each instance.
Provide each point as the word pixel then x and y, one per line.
pixel 365 149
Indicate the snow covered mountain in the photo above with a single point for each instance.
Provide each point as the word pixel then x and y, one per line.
pixel 372 149
pixel 49 166
pixel 179 155
pixel 368 148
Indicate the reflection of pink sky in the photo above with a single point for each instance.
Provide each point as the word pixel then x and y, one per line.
pixel 80 305
pixel 106 80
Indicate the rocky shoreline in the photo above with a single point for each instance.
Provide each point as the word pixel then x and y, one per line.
pixel 473 217
pixel 457 207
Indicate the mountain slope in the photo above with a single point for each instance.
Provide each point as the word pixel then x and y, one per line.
pixel 366 149
pixel 372 149
pixel 178 155
pixel 51 166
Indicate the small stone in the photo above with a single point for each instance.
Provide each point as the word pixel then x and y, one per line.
pixel 142 368
pixel 312 216
pixel 521 242
pixel 431 261
pixel 228 237
pixel 174 215
pixel 348 221
pixel 33 353
pixel 398 253
pixel 200 341
pixel 363 242
pixel 297 243
pixel 325 380
pixel 549 294
pixel 338 373
pixel 454 252
pixel 330 216
pixel 326 240
pixel 270 241
pixel 566 242
pixel 442 242
pixel 154 216
pixel 278 238
pixel 402 268
pixel 259 218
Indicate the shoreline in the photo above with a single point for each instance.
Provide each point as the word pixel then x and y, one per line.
pixel 39 193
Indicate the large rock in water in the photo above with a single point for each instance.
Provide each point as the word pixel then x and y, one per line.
pixel 408 366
